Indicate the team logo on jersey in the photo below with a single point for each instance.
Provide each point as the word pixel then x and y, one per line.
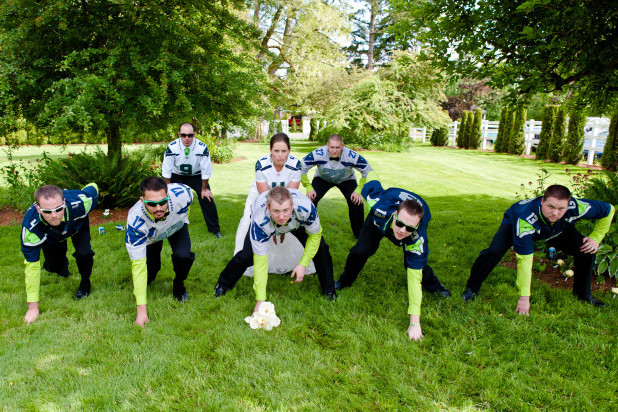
pixel 582 209
pixel 417 247
pixel 524 228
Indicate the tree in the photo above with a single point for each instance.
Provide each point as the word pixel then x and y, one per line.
pixel 575 137
pixel 518 138
pixel 121 68
pixel 463 129
pixel 500 134
pixel 507 129
pixel 609 160
pixel 475 137
pixel 547 132
pixel 535 45
pixel 558 135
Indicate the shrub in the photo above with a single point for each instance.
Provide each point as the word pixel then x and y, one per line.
pixel 439 137
pixel 609 160
pixel 575 138
pixel 313 123
pixel 501 126
pixel 153 154
pixel 469 130
pixel 118 177
pixel 475 137
pixel 518 138
pixel 461 133
pixel 557 142
pixel 508 127
pixel 22 181
pixel 547 131
pixel 221 150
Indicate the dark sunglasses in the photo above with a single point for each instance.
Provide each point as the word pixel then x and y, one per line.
pixel 187 134
pixel 154 203
pixel 50 211
pixel 399 223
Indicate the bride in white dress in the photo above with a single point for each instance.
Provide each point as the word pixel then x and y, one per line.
pixel 279 168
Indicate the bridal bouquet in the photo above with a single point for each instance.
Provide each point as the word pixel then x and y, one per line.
pixel 265 317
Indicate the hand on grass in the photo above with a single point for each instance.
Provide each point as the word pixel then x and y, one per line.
pixel 299 272
pixel 32 313
pixel 415 332
pixel 523 306
pixel 142 316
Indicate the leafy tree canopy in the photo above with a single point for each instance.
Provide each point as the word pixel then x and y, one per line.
pixel 123 66
pixel 536 45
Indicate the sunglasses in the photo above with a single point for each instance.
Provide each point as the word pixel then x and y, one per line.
pixel 186 134
pixel 399 223
pixel 154 203
pixel 50 211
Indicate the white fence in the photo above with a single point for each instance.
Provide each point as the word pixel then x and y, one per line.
pixel 596 134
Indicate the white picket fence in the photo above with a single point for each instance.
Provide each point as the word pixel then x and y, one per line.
pixel 489 130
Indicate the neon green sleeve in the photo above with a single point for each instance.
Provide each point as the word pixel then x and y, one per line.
pixel 311 248
pixel 371 176
pixel 602 226
pixel 305 181
pixel 140 280
pixel 360 185
pixel 260 276
pixel 33 280
pixel 415 292
pixel 96 187
pixel 524 273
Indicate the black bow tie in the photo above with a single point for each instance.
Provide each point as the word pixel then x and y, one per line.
pixel 336 159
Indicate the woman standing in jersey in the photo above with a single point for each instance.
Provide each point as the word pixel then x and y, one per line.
pixel 279 168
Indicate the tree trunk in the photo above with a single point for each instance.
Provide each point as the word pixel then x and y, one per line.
pixel 372 34
pixel 114 142
pixel 269 34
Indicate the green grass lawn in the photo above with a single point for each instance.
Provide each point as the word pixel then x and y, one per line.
pixel 352 354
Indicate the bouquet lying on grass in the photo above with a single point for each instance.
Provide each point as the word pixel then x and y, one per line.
pixel 265 317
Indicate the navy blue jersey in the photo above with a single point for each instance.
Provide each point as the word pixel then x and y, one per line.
pixel 383 204
pixel 529 224
pixel 35 231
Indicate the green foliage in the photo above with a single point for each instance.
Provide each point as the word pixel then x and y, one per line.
pixel 498 144
pixel 153 154
pixel 313 123
pixel 609 160
pixel 518 138
pixel 575 138
pixel 460 141
pixel 118 176
pixel 534 189
pixel 507 128
pixel 469 131
pixel 221 150
pixel 557 142
pixel 22 181
pixel 439 137
pixel 547 132
pixel 475 136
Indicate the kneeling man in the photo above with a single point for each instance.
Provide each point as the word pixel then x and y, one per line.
pixel 277 212
pixel 402 217
pixel 548 218
pixel 161 213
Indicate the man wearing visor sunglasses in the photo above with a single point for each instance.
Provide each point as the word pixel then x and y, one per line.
pixel 187 161
pixel 56 216
pixel 161 213
pixel 402 217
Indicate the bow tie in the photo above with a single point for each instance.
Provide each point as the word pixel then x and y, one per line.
pixel 336 159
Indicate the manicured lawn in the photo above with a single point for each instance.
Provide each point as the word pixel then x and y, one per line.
pixel 348 355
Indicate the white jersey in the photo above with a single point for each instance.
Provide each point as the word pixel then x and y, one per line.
pixel 143 230
pixel 263 227
pixel 180 161
pixel 335 171
pixel 265 172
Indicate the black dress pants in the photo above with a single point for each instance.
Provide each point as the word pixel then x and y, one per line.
pixel 209 209
pixel 347 187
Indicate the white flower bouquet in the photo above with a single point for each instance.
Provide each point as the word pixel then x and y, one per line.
pixel 265 317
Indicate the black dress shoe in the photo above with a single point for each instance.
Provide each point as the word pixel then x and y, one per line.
pixel 339 285
pixel 331 296
pixel 442 291
pixel 64 273
pixel 181 297
pixel 218 235
pixel 468 295
pixel 81 293
pixel 220 291
pixel 593 301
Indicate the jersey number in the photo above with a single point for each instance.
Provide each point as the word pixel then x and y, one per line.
pixel 186 169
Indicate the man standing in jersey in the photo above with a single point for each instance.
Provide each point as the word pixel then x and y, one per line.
pixel 335 167
pixel 161 213
pixel 279 211
pixel 548 218
pixel 402 217
pixel 56 216
pixel 187 161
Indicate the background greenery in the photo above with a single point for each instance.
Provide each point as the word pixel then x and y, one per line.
pixel 348 355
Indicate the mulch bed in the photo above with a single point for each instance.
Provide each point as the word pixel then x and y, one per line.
pixel 553 275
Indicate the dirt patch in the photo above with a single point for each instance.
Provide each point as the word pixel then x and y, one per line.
pixel 553 275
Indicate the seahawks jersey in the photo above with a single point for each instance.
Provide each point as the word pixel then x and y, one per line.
pixel 188 161
pixel 335 171
pixel 143 229
pixel 263 227
pixel 35 230
pixel 383 204
pixel 529 224
pixel 265 171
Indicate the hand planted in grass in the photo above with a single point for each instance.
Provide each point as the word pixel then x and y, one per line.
pixel 142 316
pixel 32 313
pixel 299 272
pixel 415 332
pixel 523 305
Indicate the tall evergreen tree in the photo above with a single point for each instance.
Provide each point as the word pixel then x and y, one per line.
pixel 609 160
pixel 508 127
pixel 500 134
pixel 547 131
pixel 518 137
pixel 461 133
pixel 575 137
pixel 557 142
pixel 469 131
pixel 475 137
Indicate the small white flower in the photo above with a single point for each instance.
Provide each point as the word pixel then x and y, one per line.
pixel 615 291
pixel 106 213
pixel 568 273
pixel 272 322
pixel 560 262
pixel 266 309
